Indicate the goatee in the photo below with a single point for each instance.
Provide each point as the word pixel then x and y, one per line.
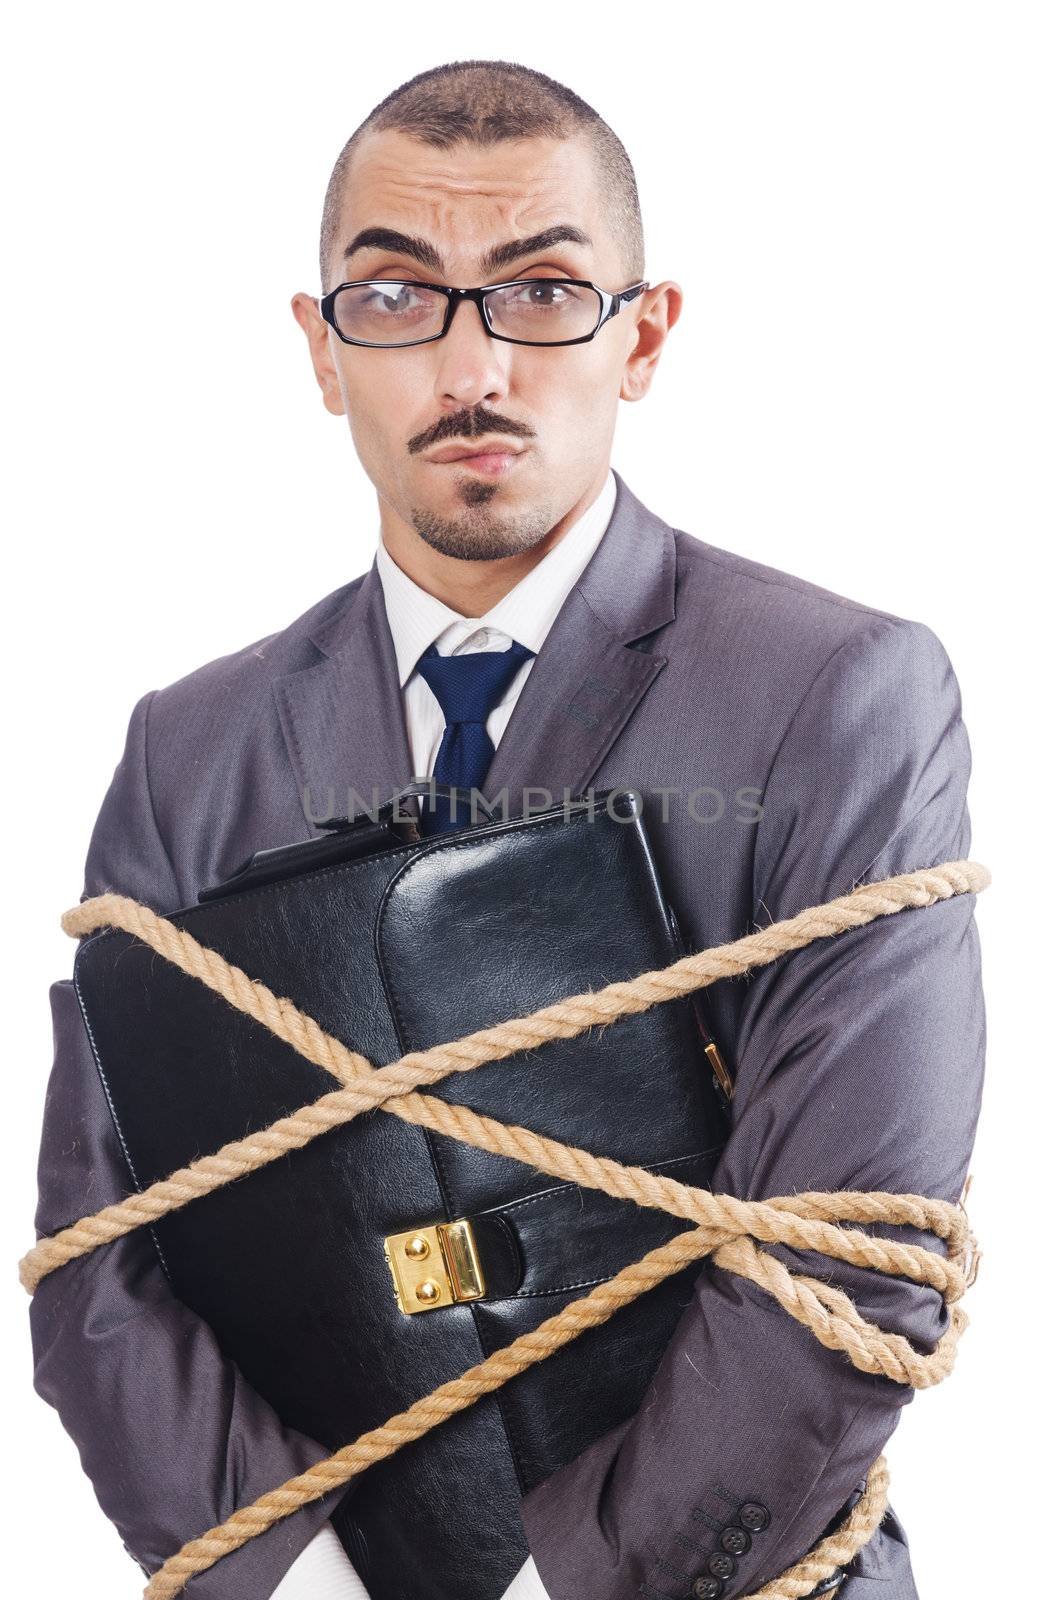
pixel 480 534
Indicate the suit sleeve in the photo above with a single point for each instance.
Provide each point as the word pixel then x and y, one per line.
pixel 859 1065
pixel 170 1434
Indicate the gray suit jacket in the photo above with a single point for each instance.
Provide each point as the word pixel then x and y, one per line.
pixel 807 743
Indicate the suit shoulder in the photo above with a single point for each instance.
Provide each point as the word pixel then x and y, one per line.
pixel 247 673
pixel 767 591
pixel 203 722
pixel 786 623
pixel 776 635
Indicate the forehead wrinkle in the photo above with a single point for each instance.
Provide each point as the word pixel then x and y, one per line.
pixel 429 204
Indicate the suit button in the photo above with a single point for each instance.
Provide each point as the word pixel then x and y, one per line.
pixel 753 1516
pixel 706 1588
pixel 735 1541
pixel 720 1565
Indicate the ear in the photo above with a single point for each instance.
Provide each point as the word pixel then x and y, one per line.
pixel 317 332
pixel 656 312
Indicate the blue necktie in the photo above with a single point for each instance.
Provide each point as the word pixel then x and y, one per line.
pixel 467 687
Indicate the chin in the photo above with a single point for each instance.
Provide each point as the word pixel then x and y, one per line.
pixel 476 531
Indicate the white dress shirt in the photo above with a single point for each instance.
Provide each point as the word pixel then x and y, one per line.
pixel 323 1571
pixel 526 613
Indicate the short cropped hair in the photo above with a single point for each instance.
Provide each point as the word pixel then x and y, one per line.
pixel 484 103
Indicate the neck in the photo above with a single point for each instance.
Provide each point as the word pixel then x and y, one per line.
pixel 471 588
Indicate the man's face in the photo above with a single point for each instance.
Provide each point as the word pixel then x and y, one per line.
pixel 556 406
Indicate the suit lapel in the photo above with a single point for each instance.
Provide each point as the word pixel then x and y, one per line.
pixel 587 681
pixel 344 719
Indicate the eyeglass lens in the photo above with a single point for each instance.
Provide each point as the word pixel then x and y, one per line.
pixel 542 309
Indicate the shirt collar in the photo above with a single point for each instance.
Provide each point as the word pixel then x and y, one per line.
pixel 526 612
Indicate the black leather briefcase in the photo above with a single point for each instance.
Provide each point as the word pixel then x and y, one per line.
pixel 395 943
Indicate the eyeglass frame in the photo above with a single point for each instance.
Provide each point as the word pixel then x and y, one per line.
pixel 610 305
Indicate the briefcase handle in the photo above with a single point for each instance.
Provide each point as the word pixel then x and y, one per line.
pixel 393 810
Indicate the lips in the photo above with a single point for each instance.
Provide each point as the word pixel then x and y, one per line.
pixel 463 452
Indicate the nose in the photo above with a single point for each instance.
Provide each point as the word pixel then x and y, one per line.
pixel 472 367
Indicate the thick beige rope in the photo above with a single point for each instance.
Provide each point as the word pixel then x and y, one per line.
pixel 726 1226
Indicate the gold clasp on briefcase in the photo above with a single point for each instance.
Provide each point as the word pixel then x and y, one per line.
pixel 434 1266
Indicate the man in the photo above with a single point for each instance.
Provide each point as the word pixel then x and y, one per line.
pixel 788 743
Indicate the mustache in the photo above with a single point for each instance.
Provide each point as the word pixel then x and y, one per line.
pixel 468 425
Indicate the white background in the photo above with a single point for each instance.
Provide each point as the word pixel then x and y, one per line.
pixel 859 202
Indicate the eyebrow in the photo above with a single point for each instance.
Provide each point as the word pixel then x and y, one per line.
pixel 495 259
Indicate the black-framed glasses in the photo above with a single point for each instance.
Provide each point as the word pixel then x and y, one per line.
pixel 393 312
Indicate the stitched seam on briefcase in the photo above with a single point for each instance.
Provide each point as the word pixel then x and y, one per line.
pixel 101 1074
